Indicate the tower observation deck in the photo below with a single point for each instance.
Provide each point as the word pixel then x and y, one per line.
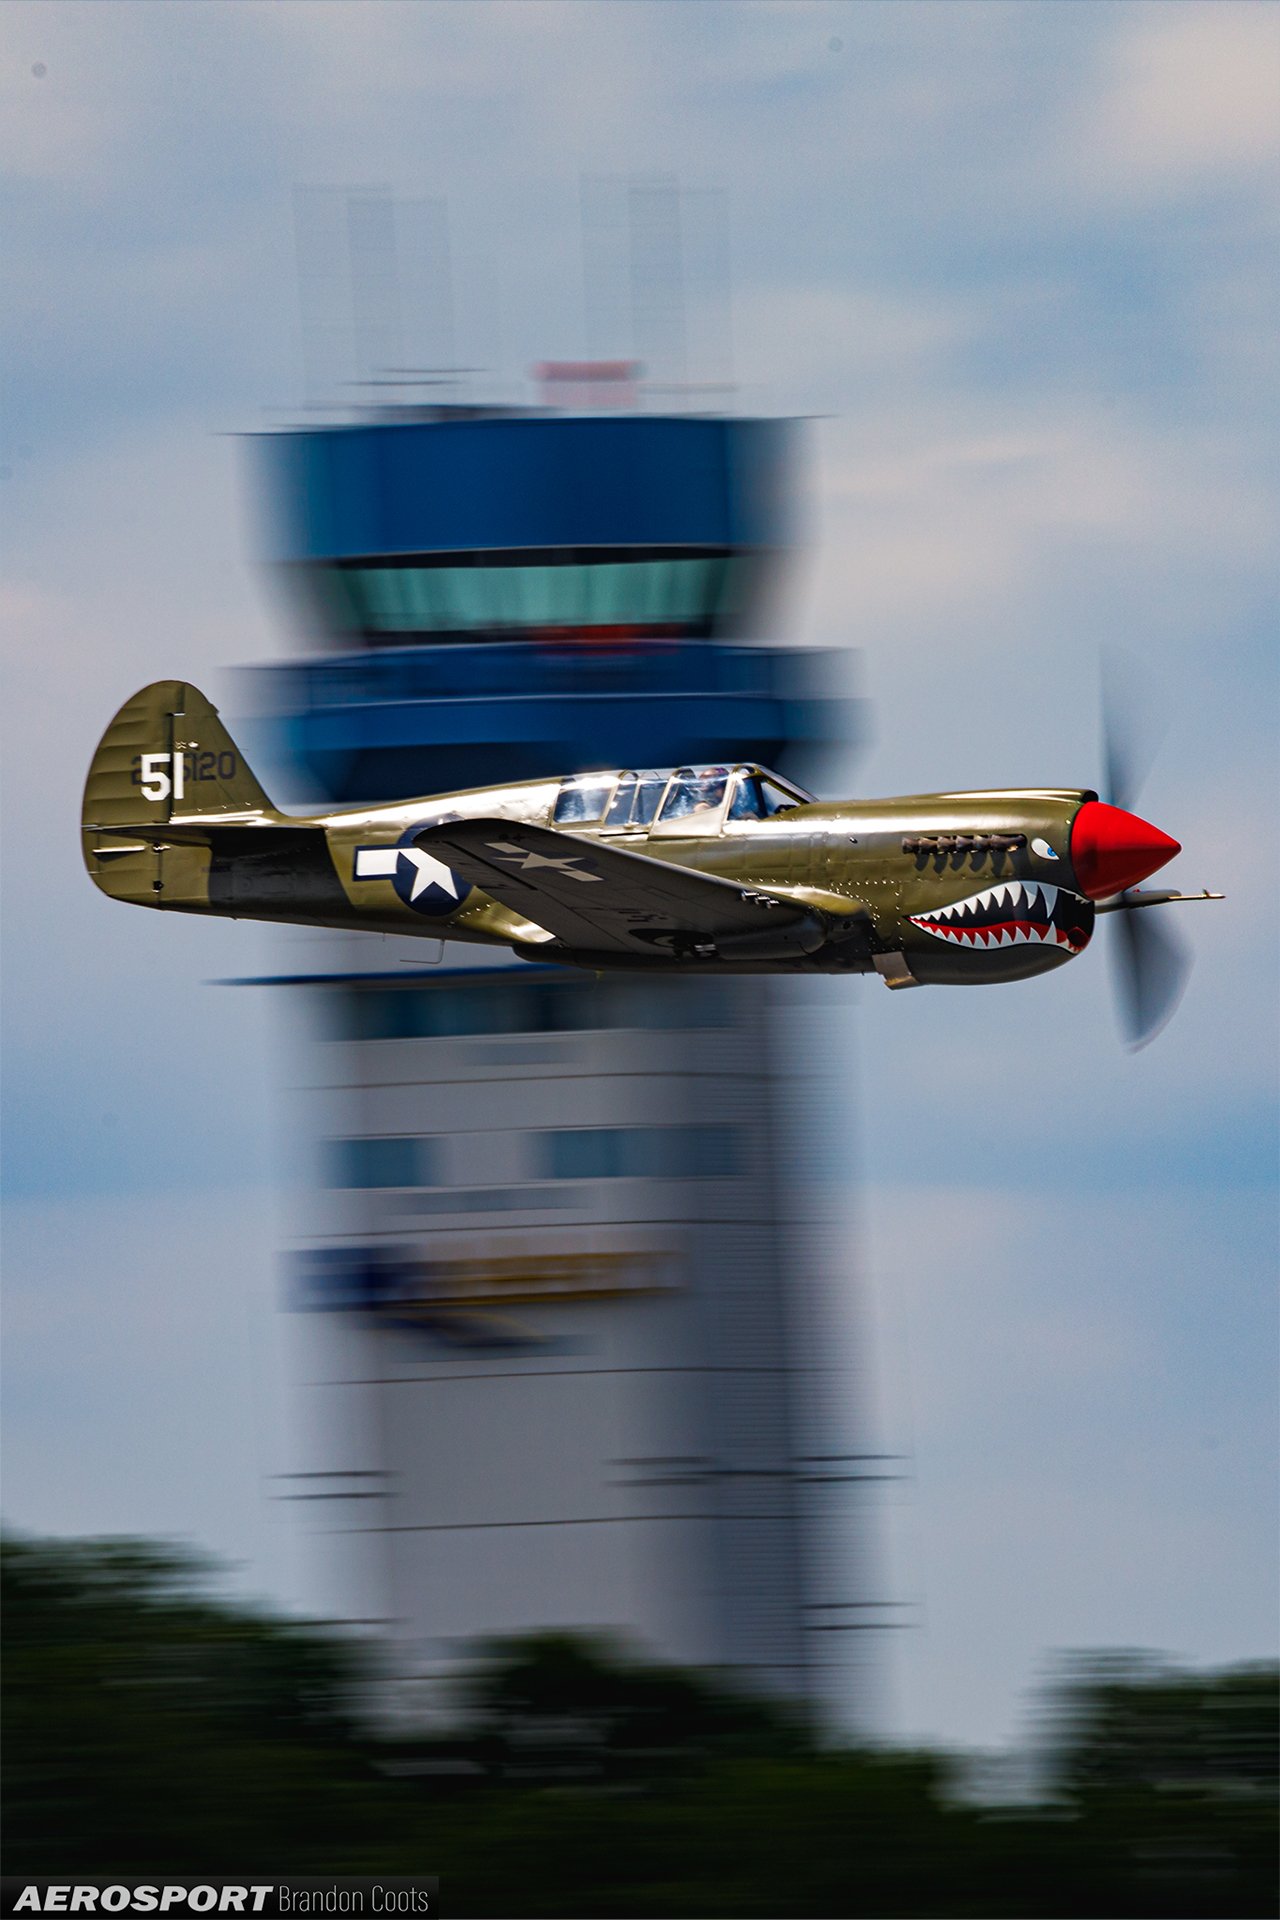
pixel 555 1347
pixel 504 596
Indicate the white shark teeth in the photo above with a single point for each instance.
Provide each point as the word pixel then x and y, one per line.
pixel 1014 913
pixel 1018 901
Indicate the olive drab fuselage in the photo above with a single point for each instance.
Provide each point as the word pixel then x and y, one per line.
pixel 695 869
pixel 872 872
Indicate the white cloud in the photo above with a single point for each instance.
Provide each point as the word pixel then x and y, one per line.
pixel 1188 97
pixel 54 126
pixel 956 514
pixel 850 340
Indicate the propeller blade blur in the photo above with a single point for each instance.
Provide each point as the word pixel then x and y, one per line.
pixel 1133 726
pixel 1151 967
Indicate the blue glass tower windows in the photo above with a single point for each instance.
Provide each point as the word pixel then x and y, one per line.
pixel 649 1153
pixel 605 595
pixel 395 1160
pixel 521 1005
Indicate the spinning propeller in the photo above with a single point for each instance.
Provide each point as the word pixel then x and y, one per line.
pixel 1112 849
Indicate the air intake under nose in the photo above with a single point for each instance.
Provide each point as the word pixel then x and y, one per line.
pixel 1112 849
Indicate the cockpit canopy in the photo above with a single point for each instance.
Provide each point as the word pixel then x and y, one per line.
pixel 674 799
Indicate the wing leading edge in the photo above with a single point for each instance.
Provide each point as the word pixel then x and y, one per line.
pixel 602 899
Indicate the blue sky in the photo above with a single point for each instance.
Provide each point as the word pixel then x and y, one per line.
pixel 1017 264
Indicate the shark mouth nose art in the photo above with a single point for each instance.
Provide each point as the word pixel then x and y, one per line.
pixel 1015 914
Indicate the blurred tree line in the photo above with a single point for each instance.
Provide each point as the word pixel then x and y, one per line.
pixel 153 1729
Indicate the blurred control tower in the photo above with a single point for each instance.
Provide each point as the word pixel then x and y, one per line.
pixel 558 1351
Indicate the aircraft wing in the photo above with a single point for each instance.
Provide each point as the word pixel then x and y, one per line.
pixel 602 899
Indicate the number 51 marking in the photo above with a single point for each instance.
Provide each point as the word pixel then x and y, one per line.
pixel 156 782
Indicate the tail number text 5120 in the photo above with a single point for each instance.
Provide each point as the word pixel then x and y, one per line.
pixel 151 771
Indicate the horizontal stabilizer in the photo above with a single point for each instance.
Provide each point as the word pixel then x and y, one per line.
pixel 197 833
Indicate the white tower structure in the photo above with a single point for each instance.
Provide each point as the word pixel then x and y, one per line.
pixel 559 1349
pixel 552 1371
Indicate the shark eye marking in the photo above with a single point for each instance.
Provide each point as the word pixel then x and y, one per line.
pixel 1017 914
pixel 1043 848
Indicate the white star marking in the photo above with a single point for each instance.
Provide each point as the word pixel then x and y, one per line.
pixel 381 863
pixel 530 862
pixel 430 873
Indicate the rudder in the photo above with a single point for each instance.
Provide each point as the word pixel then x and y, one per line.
pixel 166 757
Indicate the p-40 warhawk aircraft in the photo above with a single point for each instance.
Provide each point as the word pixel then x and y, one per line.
pixel 691 869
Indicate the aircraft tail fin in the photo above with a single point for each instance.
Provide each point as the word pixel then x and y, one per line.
pixel 167 757
pixel 166 774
